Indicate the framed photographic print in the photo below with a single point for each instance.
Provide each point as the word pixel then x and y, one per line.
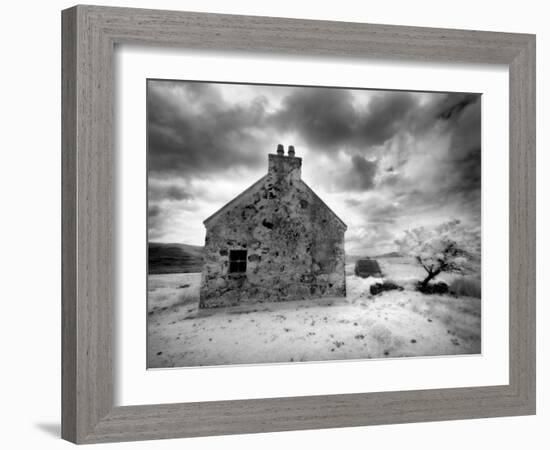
pixel 255 209
pixel 248 263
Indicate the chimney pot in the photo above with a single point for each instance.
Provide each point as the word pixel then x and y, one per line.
pixel 280 150
pixel 291 151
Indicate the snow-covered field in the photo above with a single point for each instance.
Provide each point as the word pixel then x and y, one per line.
pixel 392 324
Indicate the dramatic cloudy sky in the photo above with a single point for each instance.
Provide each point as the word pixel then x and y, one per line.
pixel 384 161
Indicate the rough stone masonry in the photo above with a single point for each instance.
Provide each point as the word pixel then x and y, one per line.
pixel 276 241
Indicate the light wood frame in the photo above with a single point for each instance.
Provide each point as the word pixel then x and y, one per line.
pixel 89 36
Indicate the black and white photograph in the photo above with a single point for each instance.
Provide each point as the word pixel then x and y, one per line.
pixel 292 224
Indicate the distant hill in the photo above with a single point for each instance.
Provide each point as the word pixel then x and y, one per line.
pixel 389 255
pixel 354 258
pixel 175 258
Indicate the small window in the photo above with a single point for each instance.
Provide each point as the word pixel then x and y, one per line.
pixel 237 261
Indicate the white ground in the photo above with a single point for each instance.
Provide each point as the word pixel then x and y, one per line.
pixel 392 324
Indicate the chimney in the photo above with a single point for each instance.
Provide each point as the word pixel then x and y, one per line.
pixel 281 166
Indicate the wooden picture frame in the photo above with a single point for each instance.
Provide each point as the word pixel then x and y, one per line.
pixel 90 34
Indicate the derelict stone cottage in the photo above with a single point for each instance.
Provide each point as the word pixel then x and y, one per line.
pixel 275 241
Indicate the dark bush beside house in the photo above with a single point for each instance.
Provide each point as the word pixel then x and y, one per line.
pixel 378 288
pixel 432 288
pixel 464 286
pixel 367 267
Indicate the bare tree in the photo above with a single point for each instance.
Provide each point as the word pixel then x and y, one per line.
pixel 449 247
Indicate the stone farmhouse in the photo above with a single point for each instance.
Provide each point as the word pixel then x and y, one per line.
pixel 276 241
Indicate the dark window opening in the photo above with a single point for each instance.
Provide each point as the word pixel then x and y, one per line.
pixel 237 261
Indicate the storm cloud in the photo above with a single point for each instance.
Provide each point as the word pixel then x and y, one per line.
pixel 192 130
pixel 383 160
pixel 331 121
pixel 360 176
pixel 170 192
pixel 324 118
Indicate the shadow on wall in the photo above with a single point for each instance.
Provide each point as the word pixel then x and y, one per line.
pixel 53 429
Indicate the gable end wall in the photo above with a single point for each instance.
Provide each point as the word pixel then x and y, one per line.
pixel 295 247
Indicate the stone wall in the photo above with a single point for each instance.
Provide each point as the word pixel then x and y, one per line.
pixel 294 243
